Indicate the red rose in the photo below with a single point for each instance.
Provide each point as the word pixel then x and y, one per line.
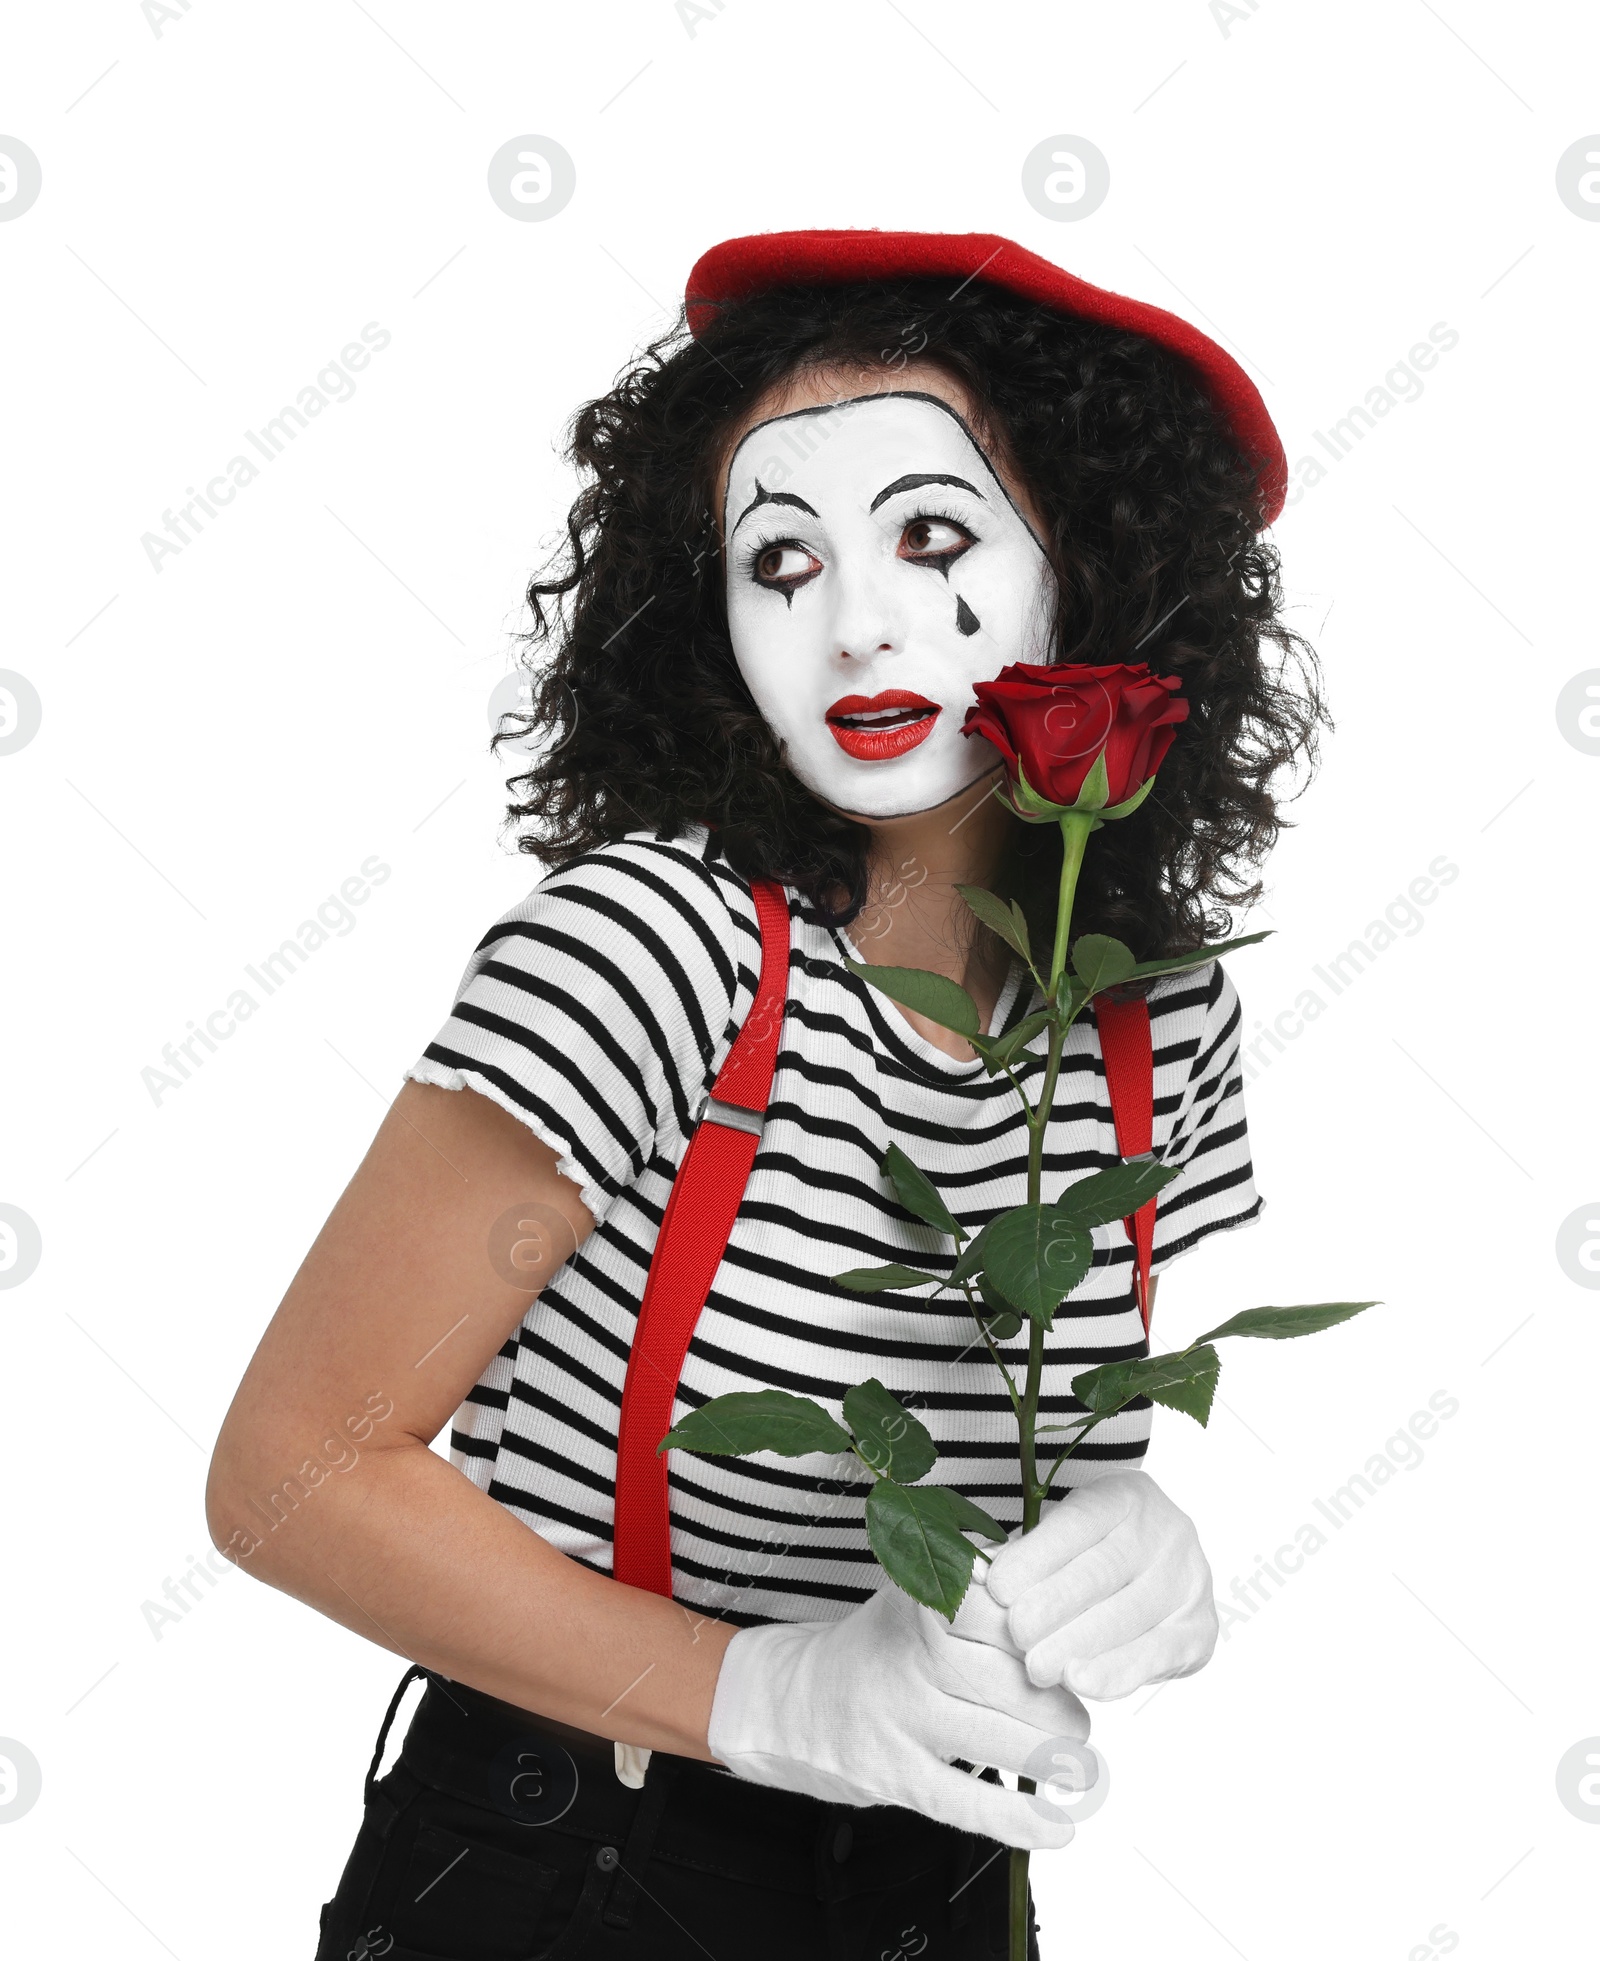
pixel 1051 724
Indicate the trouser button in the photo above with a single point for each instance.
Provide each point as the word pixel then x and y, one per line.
pixel 843 1839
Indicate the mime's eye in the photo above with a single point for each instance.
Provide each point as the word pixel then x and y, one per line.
pixel 934 540
pixel 785 566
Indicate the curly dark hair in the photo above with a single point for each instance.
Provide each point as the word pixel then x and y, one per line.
pixel 1153 515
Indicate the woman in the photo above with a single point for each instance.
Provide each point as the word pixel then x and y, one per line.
pixel 877 469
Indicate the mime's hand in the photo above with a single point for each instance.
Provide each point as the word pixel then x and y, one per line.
pixel 1108 1594
pixel 875 1707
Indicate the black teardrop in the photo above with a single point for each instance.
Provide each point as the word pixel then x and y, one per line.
pixel 966 620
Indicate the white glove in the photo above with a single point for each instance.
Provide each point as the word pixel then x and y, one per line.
pixel 871 1708
pixel 1109 1592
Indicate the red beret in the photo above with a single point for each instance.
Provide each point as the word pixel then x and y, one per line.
pixel 739 267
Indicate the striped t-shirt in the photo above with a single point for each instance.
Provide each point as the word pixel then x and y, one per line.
pixel 598 1011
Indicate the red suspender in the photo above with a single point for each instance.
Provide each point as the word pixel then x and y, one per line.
pixel 694 1233
pixel 705 1200
pixel 1125 1048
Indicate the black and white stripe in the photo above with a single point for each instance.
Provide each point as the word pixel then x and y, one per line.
pixel 598 1011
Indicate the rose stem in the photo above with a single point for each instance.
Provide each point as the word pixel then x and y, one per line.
pixel 1075 829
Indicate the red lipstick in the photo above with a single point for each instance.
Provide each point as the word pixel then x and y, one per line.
pixel 875 728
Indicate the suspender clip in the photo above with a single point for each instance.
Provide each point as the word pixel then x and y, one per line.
pixel 732 1116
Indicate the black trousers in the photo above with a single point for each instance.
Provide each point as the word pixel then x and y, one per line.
pixel 498 1836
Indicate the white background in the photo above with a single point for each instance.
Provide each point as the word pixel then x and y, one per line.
pixel 1369 1766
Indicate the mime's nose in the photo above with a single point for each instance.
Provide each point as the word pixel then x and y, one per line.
pixel 867 622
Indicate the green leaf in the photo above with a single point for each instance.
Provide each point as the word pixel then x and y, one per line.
pixel 1184 1382
pixel 912 1530
pixel 1004 1048
pixel 1284 1323
pixel 916 1193
pixel 1002 1324
pixel 763 1419
pixel 1105 1389
pixel 1100 961
pixel 966 1516
pixel 1034 1259
pixel 888 1436
pixel 1113 1194
pixel 994 1301
pixel 876 1279
pixel 970 1261
pixel 1001 916
pixel 1181 962
pixel 1189 1384
pixel 941 1000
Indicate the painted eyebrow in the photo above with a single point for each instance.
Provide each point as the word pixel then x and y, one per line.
pixel 771 497
pixel 916 483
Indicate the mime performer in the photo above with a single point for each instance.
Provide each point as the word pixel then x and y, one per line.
pixel 866 471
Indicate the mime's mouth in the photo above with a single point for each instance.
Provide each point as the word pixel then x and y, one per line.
pixel 875 728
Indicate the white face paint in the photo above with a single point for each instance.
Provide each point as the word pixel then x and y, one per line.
pixel 876 569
